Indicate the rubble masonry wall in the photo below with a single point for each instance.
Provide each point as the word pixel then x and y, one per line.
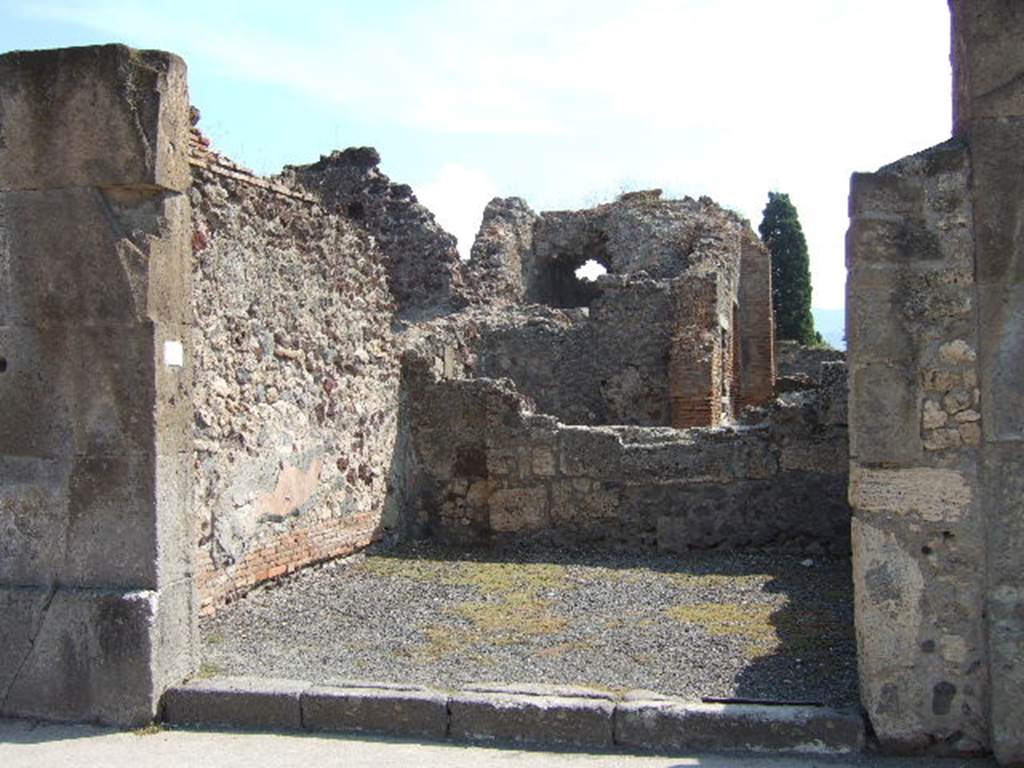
pixel 296 385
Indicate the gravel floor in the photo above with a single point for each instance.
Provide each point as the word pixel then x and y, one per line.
pixel 757 626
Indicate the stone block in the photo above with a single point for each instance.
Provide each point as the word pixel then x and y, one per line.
pixel 821 456
pixel 571 505
pixel 111 534
pixel 34 519
pixel 112 521
pixel 514 510
pixel 1003 476
pixel 175 635
pixel 693 460
pixel 884 195
pixel 403 711
pixel 916 493
pixel 87 654
pixel 884 417
pixel 118 256
pixel 94 389
pixel 1000 362
pixel 97 116
pixel 889 586
pixel 236 702
pixel 997 161
pixel 876 328
pixel 987 76
pixel 528 719
pixel 589 452
pixel 891 242
pixel 667 726
pixel 37 393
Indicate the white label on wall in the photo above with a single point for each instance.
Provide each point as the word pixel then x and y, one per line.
pixel 174 354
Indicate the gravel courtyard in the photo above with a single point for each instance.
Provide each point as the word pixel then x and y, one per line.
pixel 759 626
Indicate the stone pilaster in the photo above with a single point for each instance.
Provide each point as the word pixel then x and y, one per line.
pixel 96 606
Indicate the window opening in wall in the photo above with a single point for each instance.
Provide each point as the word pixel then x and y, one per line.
pixel 590 271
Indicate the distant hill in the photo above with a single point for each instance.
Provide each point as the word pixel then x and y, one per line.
pixel 831 324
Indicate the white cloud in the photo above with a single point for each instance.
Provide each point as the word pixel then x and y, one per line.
pixel 457 196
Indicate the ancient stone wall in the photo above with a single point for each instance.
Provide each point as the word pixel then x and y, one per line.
pixel 423 268
pixel 96 595
pixel 934 332
pixel 678 333
pixel 798 361
pixel 492 470
pixel 296 379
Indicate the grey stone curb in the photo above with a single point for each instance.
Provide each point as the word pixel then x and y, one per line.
pixel 535 715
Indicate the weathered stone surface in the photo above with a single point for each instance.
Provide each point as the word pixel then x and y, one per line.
pixel 296 386
pixel 668 726
pixel 883 404
pixel 495 270
pixel 96 446
pixel 117 257
pixel 525 719
pixel 796 359
pixel 79 654
pixel 935 495
pixel 404 711
pixel 98 116
pixel 236 702
pixel 422 261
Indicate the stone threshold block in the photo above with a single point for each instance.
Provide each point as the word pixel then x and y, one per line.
pixel 376 708
pixel 667 726
pixel 236 702
pixel 92 655
pixel 565 717
pixel 532 715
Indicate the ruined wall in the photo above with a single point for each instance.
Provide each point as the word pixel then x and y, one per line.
pixel 797 360
pixel 296 380
pixel 605 365
pixel 424 272
pixel 491 470
pixel 96 597
pixel 934 331
pixel 918 533
pixel 495 271
pixel 678 333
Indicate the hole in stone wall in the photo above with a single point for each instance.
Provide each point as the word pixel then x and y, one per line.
pixel 355 210
pixel 3 364
pixel 590 271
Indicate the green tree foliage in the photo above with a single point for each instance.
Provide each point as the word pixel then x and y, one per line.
pixel 791 270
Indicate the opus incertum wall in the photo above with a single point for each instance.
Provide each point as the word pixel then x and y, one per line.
pixel 935 326
pixel 96 606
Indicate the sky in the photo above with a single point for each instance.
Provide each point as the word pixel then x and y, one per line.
pixel 566 103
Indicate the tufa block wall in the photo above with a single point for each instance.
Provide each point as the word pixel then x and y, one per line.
pixel 935 311
pixel 96 568
pixel 490 470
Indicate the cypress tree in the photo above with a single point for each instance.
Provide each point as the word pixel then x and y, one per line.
pixel 781 232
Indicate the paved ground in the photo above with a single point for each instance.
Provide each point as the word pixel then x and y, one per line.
pixel 26 745
pixel 761 626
